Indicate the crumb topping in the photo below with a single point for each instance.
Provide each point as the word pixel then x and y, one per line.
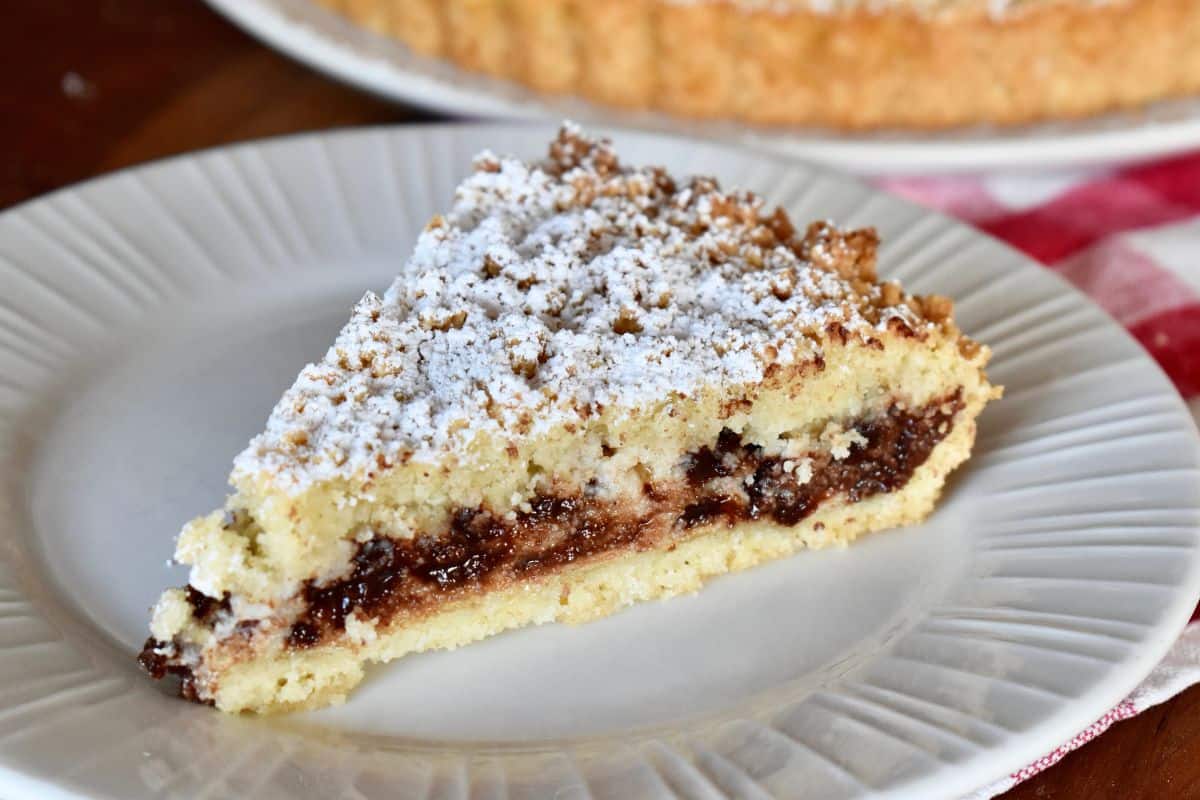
pixel 553 290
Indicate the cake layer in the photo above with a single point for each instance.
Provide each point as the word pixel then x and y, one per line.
pixel 842 63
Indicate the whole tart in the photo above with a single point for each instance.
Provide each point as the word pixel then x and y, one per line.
pixel 853 64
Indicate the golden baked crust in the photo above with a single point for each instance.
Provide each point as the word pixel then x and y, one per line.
pixel 915 64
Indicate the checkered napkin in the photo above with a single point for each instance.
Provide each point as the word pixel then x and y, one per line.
pixel 1130 239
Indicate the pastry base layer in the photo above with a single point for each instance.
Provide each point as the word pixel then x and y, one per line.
pixel 852 69
pixel 302 679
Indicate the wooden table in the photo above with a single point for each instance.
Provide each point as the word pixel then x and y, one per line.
pixel 89 86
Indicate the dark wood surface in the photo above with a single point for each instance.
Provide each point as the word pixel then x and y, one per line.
pixel 89 86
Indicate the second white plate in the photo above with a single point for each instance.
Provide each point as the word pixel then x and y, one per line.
pixel 149 321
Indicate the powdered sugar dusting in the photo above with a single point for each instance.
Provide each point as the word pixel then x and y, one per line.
pixel 555 289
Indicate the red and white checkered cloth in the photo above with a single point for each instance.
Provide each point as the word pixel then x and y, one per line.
pixel 1130 239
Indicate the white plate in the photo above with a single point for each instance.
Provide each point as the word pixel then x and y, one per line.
pixel 148 322
pixel 324 40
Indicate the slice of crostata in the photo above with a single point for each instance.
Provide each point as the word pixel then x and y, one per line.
pixel 590 385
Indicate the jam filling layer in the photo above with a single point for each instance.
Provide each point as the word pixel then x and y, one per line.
pixel 158 666
pixel 729 482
